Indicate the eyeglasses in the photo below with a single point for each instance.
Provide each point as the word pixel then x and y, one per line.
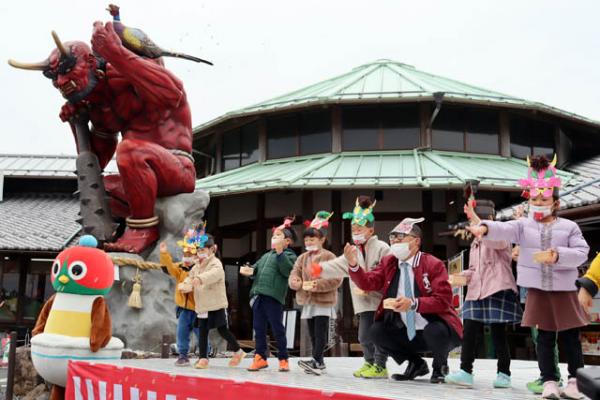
pixel 396 236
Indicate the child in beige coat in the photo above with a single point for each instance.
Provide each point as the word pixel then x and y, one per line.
pixel 207 278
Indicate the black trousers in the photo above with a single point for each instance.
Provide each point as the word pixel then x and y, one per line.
pixel 569 340
pixel 437 337
pixel 469 346
pixel 223 331
pixel 318 328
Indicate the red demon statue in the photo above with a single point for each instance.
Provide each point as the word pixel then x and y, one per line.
pixel 137 96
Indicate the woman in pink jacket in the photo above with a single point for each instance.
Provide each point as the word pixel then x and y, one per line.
pixel 492 298
pixel 551 249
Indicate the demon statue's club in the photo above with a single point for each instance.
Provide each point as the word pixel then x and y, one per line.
pixel 121 91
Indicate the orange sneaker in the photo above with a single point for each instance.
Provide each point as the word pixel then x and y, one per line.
pixel 258 363
pixel 284 366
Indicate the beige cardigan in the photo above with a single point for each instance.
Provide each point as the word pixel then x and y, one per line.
pixel 375 250
pixel 211 294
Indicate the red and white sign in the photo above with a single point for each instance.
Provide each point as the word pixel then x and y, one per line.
pixel 92 381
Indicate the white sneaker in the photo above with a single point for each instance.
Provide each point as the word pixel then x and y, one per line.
pixel 571 391
pixel 551 391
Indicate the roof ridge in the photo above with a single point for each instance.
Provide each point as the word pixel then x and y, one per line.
pixel 302 89
pixel 16 155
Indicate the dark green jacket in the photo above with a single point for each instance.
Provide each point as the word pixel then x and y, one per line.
pixel 271 273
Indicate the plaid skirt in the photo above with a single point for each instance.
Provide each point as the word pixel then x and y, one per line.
pixel 501 307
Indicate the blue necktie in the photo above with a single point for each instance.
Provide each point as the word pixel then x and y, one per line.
pixel 408 292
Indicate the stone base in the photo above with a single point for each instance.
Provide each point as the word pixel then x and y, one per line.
pixel 143 329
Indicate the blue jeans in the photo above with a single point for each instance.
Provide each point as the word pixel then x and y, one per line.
pixel 267 309
pixel 185 326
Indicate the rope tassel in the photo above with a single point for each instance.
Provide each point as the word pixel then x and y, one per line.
pixel 135 299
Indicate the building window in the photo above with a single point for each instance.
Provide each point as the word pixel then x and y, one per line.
pixel 282 136
pixel 205 151
pixel 37 289
pixel 9 289
pixel 315 132
pixel 380 128
pixel 448 130
pixel 462 129
pixel 360 128
pixel 483 127
pixel 400 127
pixel 299 134
pixel 240 147
pixel 530 137
pixel 249 153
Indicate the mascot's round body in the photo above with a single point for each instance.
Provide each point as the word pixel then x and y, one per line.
pixel 75 323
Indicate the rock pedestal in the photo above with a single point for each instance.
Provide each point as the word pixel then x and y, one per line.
pixel 143 329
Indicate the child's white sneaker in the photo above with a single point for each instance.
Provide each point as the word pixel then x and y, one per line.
pixel 551 391
pixel 571 391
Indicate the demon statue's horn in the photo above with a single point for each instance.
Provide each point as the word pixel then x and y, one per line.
pixel 553 163
pixel 40 66
pixel 59 45
pixel 528 162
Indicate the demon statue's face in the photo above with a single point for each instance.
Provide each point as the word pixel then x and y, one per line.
pixel 73 74
pixel 73 68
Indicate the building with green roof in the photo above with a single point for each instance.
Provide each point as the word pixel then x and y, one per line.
pixel 408 138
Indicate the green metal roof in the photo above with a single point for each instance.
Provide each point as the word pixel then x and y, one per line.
pixel 389 81
pixel 383 169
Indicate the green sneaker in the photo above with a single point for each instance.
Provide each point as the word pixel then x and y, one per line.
pixel 537 386
pixel 366 366
pixel 375 372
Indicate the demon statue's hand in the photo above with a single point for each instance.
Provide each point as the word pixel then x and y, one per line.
pixel 70 112
pixel 105 41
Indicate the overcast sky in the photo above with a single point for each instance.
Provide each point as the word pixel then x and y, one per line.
pixel 542 50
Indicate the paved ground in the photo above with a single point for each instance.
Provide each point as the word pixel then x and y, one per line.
pixel 339 379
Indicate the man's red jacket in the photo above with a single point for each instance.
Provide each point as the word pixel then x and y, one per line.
pixel 431 281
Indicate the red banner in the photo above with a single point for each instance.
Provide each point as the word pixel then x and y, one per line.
pixel 92 381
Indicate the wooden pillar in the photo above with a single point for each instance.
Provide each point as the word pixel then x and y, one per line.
pixel 427 243
pixel 307 211
pixel 23 268
pixel 219 153
pixel 262 140
pixel 337 224
pixel 504 134
pixel 336 129
pixel 261 237
pixel 425 116
pixel 453 202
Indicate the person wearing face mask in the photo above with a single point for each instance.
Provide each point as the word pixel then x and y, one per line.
pixel 551 249
pixel 370 251
pixel 268 293
pixel 207 278
pixel 317 296
pixel 418 315
pixel 492 299
pixel 184 298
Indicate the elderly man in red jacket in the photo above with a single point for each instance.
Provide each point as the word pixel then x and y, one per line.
pixel 418 314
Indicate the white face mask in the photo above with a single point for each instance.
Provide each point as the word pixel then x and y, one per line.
pixel 400 250
pixel 274 241
pixel 538 213
pixel 358 239
pixel 187 260
pixel 312 248
pixel 202 256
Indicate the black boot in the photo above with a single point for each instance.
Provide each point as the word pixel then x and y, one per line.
pixel 413 370
pixel 439 375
